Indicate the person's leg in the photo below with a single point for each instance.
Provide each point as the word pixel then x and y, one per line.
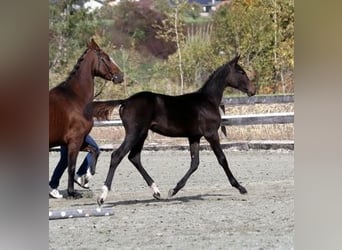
pixel 90 160
pixel 88 166
pixel 60 168
pixel 58 172
pixel 93 158
pixel 84 166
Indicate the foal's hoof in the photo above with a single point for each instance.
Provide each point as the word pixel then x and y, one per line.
pixel 242 190
pixel 171 193
pixel 103 196
pixel 156 196
pixel 74 195
pixel 100 201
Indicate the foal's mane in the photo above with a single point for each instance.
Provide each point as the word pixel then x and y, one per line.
pixel 222 70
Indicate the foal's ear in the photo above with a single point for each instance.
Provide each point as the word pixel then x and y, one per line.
pixel 234 60
pixel 93 45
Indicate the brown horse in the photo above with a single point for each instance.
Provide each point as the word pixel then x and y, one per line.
pixel 193 115
pixel 70 104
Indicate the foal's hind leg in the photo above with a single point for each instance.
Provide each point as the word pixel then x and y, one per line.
pixel 135 157
pixel 194 152
pixel 215 145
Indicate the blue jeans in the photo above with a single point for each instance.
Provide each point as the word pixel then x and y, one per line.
pixel 89 162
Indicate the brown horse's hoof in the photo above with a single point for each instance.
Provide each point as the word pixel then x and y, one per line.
pixel 74 195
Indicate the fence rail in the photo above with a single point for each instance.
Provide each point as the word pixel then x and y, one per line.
pixel 231 120
pixel 237 120
pixel 260 99
pixel 234 120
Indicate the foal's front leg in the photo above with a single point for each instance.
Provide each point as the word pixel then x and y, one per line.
pixel 116 158
pixel 215 145
pixel 194 152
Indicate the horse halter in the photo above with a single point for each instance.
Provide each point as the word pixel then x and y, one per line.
pixel 100 58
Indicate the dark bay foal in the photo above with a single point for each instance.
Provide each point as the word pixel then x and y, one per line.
pixel 191 115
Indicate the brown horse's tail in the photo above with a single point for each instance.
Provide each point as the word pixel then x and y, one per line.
pixel 103 109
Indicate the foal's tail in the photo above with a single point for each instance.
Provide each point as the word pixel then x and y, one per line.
pixel 103 109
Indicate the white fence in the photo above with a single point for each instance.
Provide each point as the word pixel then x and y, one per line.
pixel 235 120
pixel 231 120
pixel 238 120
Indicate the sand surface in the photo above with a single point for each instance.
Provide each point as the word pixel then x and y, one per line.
pixel 206 214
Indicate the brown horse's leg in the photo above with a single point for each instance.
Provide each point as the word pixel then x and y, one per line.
pixel 135 157
pixel 215 145
pixel 194 152
pixel 73 149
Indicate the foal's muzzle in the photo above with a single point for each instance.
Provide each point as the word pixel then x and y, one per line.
pixel 251 90
pixel 250 93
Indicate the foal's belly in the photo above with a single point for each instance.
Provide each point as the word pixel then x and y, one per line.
pixel 174 130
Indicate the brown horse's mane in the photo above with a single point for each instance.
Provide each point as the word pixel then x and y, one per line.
pixel 76 66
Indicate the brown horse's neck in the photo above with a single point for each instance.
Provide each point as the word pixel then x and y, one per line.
pixel 81 79
pixel 215 85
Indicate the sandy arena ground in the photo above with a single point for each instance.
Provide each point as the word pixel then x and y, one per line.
pixel 206 214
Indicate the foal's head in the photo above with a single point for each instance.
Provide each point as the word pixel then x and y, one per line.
pixel 238 79
pixel 106 67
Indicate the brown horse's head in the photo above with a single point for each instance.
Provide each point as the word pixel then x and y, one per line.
pixel 106 67
pixel 237 78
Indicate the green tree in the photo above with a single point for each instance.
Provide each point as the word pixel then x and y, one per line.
pixel 284 42
pixel 172 30
pixel 259 30
pixel 262 31
pixel 244 29
pixel 197 56
pixel 70 27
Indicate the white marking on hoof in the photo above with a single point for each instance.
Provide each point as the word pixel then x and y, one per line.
pixel 155 189
pixel 104 194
